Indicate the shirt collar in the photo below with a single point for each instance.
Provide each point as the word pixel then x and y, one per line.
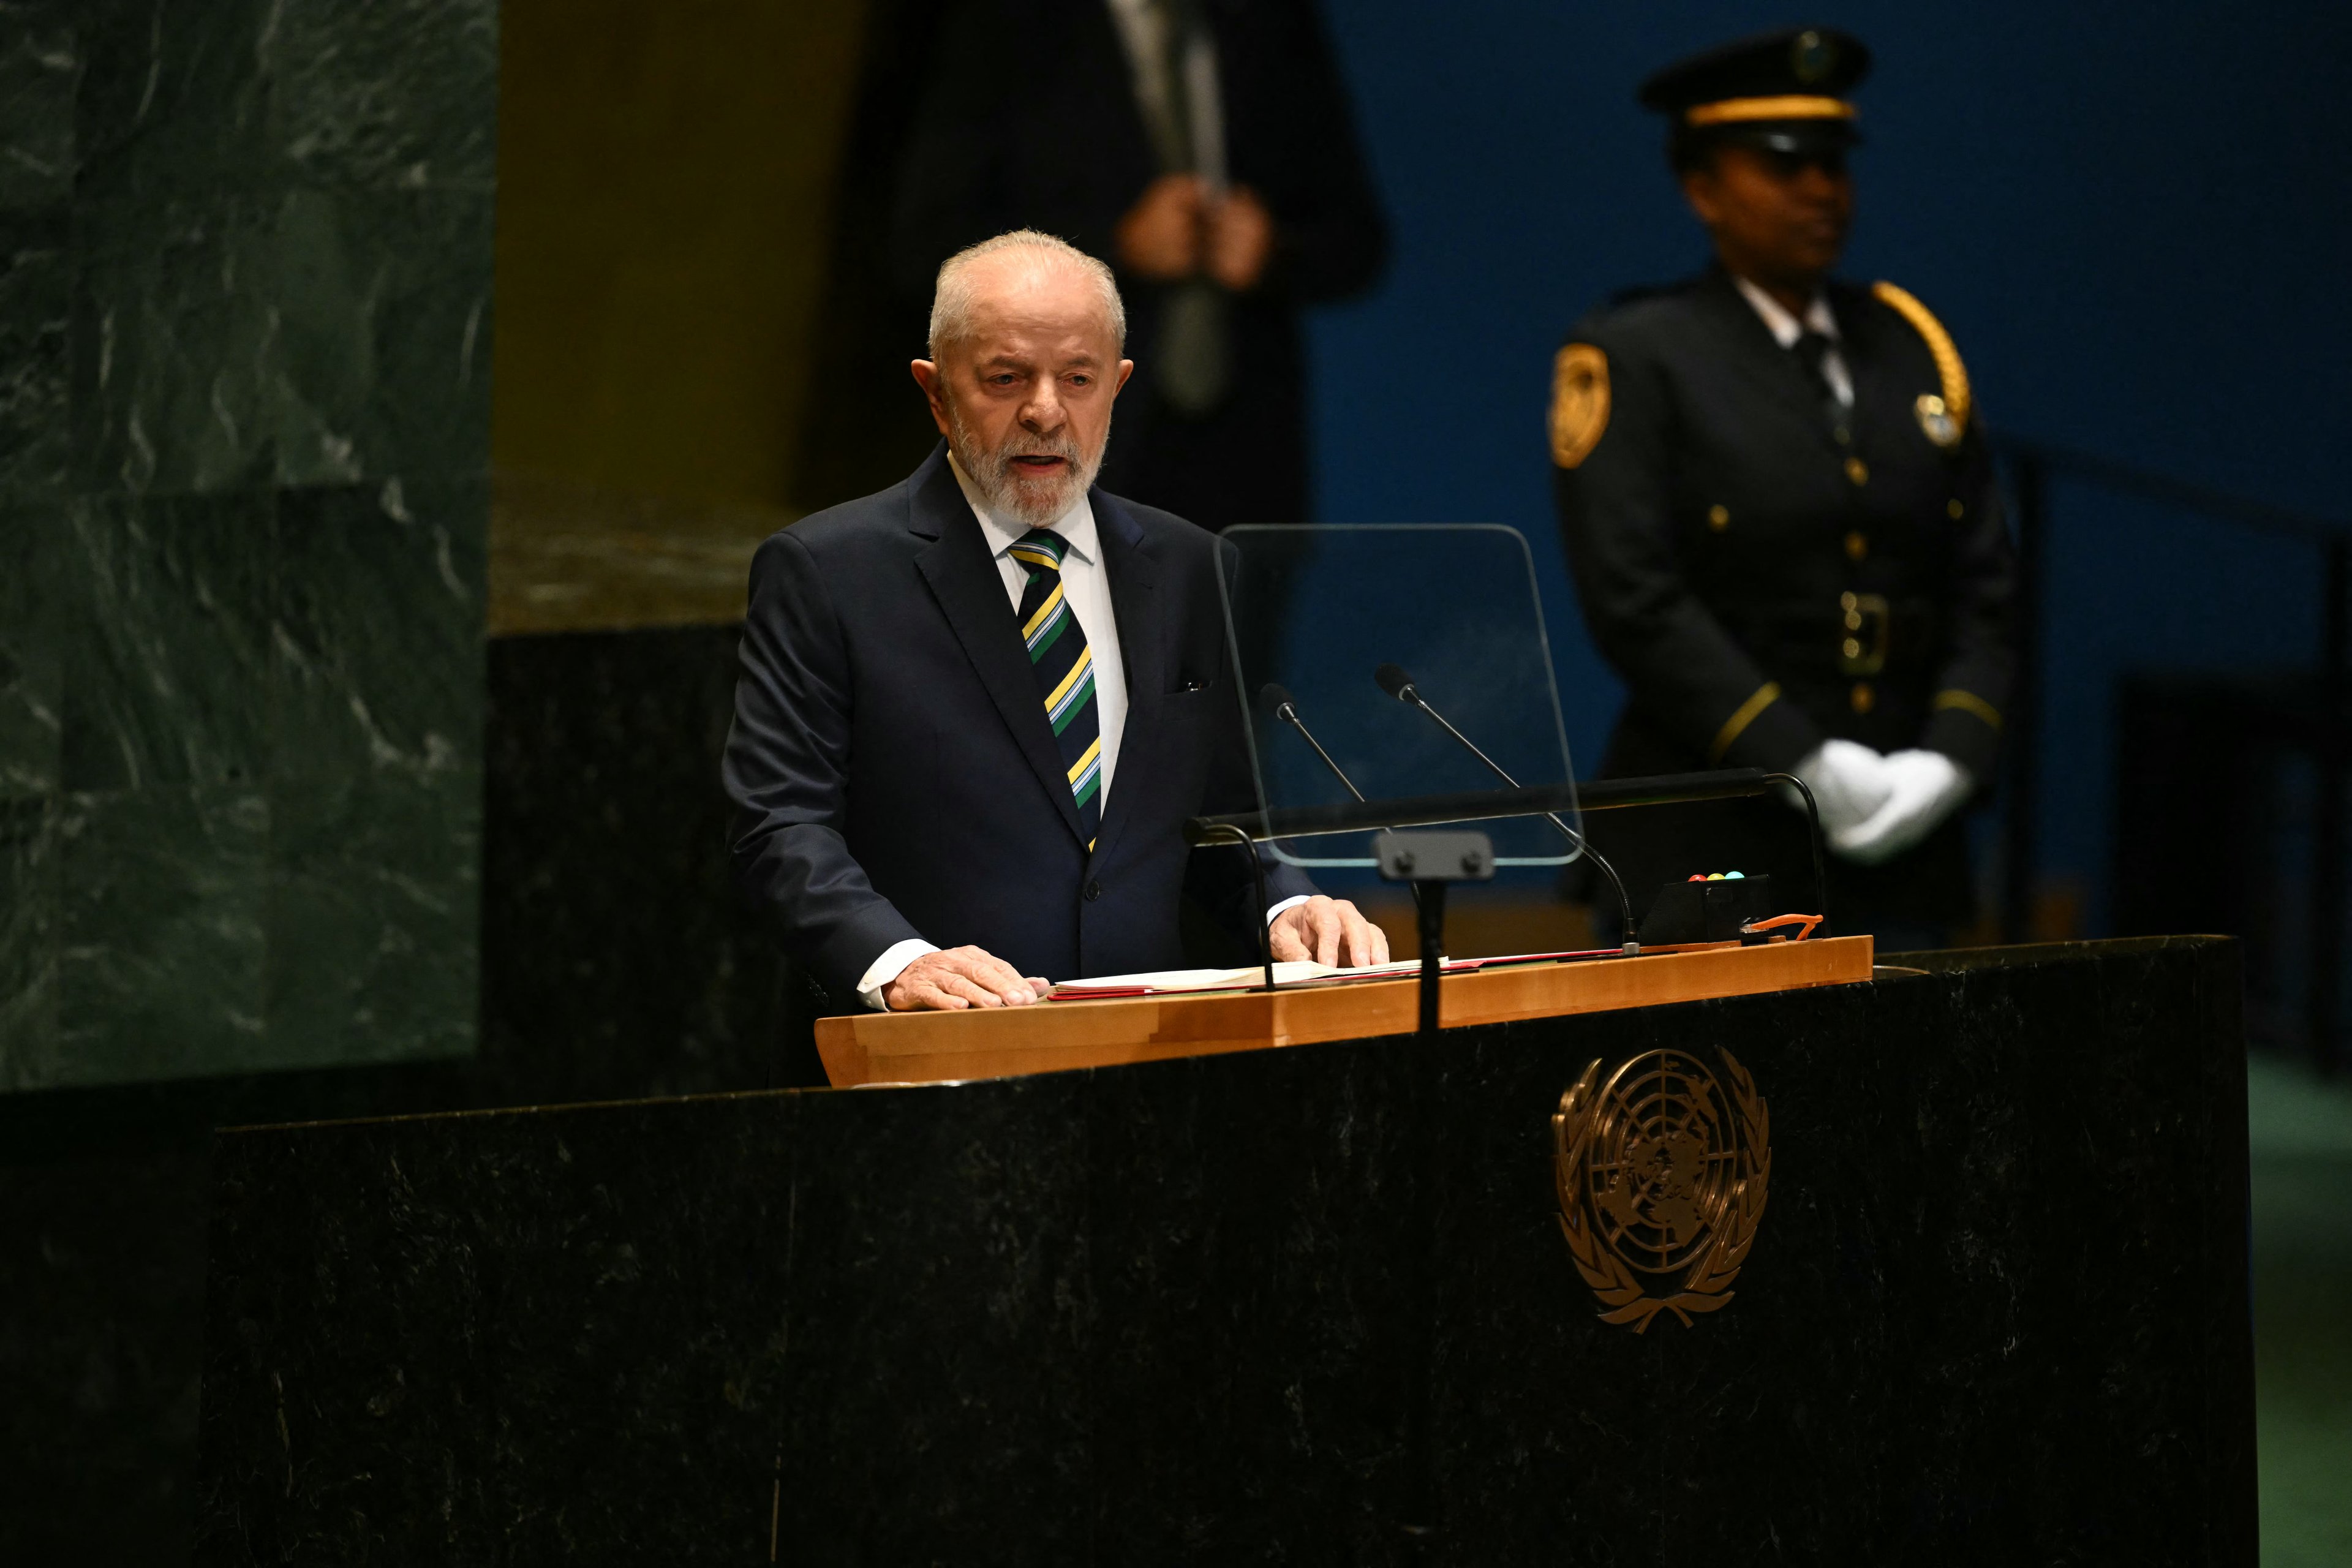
pixel 1785 328
pixel 1077 526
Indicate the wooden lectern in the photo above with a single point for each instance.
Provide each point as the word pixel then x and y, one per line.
pixel 1756 1255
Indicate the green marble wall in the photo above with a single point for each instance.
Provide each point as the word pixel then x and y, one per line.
pixel 245 327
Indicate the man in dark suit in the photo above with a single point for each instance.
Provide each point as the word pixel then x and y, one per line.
pixel 1781 513
pixel 976 709
pixel 1207 149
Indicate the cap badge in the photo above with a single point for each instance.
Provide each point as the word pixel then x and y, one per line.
pixel 1936 420
pixel 1811 57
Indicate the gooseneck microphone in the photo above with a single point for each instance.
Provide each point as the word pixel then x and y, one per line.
pixel 1393 680
pixel 1278 703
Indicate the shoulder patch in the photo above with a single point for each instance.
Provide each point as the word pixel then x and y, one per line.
pixel 1580 402
pixel 1947 421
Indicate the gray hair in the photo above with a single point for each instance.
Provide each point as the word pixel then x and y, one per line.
pixel 951 297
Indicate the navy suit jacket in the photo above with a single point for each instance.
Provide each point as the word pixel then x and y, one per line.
pixel 894 775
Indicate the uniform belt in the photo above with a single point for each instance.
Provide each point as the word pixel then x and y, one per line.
pixel 1854 635
pixel 1865 633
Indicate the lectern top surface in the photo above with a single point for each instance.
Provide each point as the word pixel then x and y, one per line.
pixel 921 1048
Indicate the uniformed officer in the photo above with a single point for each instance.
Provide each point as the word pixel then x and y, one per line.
pixel 1777 501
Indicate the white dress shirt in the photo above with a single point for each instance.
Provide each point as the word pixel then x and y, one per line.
pixel 1787 329
pixel 1085 588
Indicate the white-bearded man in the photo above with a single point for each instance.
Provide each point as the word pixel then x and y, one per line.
pixel 975 710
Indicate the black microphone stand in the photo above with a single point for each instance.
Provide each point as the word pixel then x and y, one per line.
pixel 1276 701
pixel 1230 833
pixel 1284 706
pixel 1393 680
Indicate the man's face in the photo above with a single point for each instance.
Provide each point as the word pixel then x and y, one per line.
pixel 1777 217
pixel 1024 396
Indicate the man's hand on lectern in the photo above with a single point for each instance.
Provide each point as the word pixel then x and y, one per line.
pixel 1327 930
pixel 962 977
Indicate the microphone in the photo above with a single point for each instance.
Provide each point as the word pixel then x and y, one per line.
pixel 1278 702
pixel 1392 680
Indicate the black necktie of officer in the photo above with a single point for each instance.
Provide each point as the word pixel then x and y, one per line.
pixel 1812 350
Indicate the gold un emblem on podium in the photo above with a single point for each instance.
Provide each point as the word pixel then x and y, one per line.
pixel 1662 1179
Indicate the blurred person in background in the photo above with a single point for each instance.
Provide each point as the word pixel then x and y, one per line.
pixel 1781 515
pixel 1207 149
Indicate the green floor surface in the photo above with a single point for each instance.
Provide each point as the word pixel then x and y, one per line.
pixel 2302 1140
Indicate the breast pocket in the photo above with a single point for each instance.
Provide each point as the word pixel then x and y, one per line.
pixel 1192 702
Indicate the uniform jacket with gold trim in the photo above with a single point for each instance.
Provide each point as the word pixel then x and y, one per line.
pixel 1760 582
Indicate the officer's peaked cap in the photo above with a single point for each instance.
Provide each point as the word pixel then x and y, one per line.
pixel 1785 90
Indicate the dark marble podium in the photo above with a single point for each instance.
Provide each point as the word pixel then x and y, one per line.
pixel 1311 1305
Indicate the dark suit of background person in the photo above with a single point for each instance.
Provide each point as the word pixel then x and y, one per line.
pixel 1030 118
pixel 1764 571
pixel 895 776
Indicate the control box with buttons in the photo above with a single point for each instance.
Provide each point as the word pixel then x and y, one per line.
pixel 1707 908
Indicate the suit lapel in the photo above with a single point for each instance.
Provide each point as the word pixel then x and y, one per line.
pixel 1135 601
pixel 963 578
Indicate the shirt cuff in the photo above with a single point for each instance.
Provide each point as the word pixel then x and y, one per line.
pixel 1274 913
pixel 889 967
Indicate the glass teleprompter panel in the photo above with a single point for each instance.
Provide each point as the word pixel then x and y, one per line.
pixel 1359 639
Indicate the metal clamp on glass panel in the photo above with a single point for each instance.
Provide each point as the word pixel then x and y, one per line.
pixel 1429 861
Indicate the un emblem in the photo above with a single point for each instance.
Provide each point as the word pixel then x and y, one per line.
pixel 1662 1178
pixel 1811 57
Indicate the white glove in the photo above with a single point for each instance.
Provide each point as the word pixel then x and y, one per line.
pixel 1848 781
pixel 1925 788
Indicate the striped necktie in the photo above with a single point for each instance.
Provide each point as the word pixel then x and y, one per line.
pixel 1066 671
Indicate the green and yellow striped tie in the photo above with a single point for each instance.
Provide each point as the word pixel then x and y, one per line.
pixel 1066 671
